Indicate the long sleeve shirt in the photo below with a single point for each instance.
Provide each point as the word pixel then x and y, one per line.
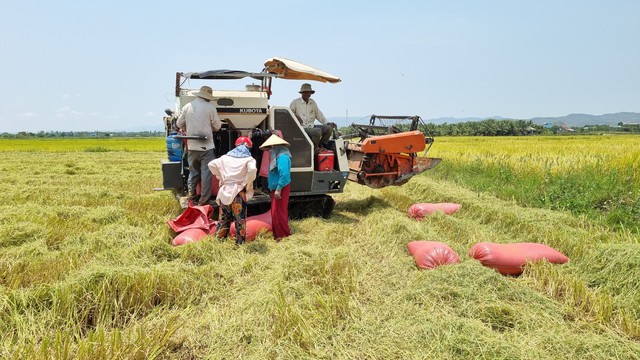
pixel 234 175
pixel 307 112
pixel 280 176
pixel 199 118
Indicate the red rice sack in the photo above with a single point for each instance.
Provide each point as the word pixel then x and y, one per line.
pixel 509 259
pixel 215 186
pixel 266 159
pixel 420 210
pixel 431 254
pixel 264 165
pixel 193 217
pixel 188 236
pixel 255 225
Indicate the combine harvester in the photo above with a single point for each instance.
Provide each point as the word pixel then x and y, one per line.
pixel 383 153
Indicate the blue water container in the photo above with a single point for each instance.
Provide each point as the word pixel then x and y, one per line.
pixel 174 147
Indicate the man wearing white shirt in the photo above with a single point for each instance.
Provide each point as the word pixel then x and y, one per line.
pixel 307 112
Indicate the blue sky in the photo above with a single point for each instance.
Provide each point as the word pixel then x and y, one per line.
pixel 110 65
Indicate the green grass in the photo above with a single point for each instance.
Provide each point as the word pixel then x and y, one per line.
pixel 88 145
pixel 597 177
pixel 87 271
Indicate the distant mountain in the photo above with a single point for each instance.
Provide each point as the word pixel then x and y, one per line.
pixel 344 121
pixel 347 121
pixel 572 120
pixel 577 120
pixel 146 127
pixel 451 120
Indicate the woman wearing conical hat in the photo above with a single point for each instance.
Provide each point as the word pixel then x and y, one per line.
pixel 279 184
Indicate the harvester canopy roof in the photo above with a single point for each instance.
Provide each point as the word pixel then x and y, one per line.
pixel 289 69
pixel 225 74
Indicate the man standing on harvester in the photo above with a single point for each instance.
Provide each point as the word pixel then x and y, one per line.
pixel 200 119
pixel 307 112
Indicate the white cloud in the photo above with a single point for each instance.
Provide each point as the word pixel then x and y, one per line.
pixel 29 114
pixel 149 114
pixel 68 111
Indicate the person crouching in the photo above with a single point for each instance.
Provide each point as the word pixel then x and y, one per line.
pixel 235 172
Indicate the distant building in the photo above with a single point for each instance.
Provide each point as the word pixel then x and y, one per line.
pixel 565 128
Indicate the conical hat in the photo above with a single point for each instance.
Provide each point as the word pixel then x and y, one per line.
pixel 273 140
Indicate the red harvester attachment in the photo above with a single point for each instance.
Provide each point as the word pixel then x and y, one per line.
pixel 385 152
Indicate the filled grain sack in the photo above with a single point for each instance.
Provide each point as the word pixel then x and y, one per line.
pixel 255 225
pixel 420 210
pixel 509 259
pixel 431 254
pixel 188 236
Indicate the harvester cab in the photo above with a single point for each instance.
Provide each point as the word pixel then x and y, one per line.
pixel 247 112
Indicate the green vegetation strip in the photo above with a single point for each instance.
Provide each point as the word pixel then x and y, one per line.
pixel 597 177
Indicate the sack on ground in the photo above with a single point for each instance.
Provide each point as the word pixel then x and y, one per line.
pixel 431 254
pixel 188 236
pixel 193 217
pixel 255 225
pixel 420 210
pixel 509 259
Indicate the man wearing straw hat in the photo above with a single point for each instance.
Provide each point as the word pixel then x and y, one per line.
pixel 279 184
pixel 307 112
pixel 200 118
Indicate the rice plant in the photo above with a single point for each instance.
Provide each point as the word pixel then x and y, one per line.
pixel 87 270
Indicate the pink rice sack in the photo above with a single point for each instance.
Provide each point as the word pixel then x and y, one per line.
pixel 420 210
pixel 188 236
pixel 255 225
pixel 431 254
pixel 509 259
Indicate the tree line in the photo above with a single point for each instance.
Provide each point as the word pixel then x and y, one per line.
pixel 489 127
pixel 492 127
pixel 80 134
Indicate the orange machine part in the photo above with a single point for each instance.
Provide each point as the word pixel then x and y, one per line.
pixel 406 142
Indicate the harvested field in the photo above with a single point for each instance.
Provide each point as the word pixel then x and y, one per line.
pixel 87 270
